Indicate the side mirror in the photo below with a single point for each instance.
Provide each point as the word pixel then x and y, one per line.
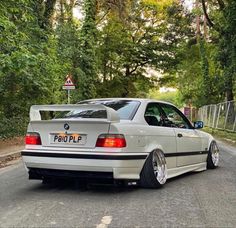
pixel 198 124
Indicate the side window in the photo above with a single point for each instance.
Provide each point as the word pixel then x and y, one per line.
pixel 173 117
pixel 153 114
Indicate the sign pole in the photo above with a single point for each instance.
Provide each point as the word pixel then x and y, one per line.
pixel 68 96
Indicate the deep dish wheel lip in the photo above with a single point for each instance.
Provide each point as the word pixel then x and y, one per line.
pixel 159 166
pixel 214 152
pixel 148 179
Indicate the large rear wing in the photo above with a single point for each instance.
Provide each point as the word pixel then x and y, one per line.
pixel 35 115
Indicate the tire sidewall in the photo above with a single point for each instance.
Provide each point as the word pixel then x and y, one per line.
pixel 147 177
pixel 210 164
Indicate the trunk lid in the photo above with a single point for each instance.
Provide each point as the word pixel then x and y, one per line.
pixel 72 130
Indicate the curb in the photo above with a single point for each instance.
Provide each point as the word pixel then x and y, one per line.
pixel 10 156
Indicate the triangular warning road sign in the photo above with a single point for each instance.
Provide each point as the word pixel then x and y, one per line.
pixel 69 84
pixel 69 81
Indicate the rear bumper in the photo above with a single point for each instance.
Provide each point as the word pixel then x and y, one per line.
pixel 39 174
pixel 119 165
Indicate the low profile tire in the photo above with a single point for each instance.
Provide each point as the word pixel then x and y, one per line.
pixel 154 172
pixel 213 156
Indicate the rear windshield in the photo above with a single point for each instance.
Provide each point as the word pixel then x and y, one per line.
pixel 126 109
pixel 81 113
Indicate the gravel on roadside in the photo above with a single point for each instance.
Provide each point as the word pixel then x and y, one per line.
pixel 10 150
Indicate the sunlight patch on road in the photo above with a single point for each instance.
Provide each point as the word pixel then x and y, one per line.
pixel 105 221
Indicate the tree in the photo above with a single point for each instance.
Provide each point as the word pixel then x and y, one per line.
pixel 206 59
pixel 224 22
pixel 144 38
pixel 87 74
pixel 29 66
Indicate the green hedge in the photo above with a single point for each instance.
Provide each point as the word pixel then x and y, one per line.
pixel 13 127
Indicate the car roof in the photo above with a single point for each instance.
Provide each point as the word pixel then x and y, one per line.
pixel 146 100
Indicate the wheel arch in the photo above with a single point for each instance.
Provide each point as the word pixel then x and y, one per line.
pixel 154 170
pixel 159 148
pixel 152 147
pixel 210 141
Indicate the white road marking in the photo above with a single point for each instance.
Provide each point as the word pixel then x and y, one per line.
pixel 105 221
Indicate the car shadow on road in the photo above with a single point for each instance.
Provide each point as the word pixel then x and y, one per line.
pixel 107 187
pixel 80 186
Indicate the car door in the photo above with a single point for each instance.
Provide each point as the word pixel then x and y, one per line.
pixel 188 140
pixel 159 136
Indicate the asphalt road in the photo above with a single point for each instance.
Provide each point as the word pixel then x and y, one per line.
pixel 205 199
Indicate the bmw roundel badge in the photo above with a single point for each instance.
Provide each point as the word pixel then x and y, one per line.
pixel 66 126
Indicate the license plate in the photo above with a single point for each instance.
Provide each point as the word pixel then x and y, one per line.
pixel 77 139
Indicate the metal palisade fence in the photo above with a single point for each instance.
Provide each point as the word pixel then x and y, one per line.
pixel 219 116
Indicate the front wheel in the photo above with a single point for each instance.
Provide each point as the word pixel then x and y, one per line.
pixel 213 156
pixel 154 172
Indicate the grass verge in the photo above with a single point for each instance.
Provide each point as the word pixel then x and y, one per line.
pixel 229 137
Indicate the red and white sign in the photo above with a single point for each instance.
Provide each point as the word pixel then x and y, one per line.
pixel 69 84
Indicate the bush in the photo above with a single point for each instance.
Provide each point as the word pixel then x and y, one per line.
pixel 13 127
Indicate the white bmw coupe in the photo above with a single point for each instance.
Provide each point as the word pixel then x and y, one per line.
pixel 139 141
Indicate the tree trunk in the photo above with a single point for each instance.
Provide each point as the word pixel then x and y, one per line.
pixel 48 14
pixel 62 13
pixel 229 94
pixel 70 10
pixel 126 82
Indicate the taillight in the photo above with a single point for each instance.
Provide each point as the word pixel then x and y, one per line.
pixel 111 140
pixel 32 138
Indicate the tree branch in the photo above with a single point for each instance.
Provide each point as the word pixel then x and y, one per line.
pixel 221 4
pixel 209 22
pixel 139 65
pixel 103 16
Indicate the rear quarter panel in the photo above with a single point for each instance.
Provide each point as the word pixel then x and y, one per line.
pixel 145 138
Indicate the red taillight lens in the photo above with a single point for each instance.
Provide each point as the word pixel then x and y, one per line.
pixel 32 139
pixel 113 140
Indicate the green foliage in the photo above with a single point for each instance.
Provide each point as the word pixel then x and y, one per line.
pixel 204 68
pixel 207 67
pixel 173 97
pixel 227 48
pixel 12 127
pixel 199 80
pixel 130 46
pixel 224 135
pixel 87 58
pixel 115 50
pixel 29 67
pixel 223 36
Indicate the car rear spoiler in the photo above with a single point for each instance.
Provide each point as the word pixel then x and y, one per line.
pixel 35 115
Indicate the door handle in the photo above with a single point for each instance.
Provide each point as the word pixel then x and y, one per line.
pixel 179 135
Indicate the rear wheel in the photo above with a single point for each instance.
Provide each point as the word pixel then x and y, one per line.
pixel 213 156
pixel 154 173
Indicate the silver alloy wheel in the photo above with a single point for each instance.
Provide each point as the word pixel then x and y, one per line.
pixel 214 154
pixel 159 166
